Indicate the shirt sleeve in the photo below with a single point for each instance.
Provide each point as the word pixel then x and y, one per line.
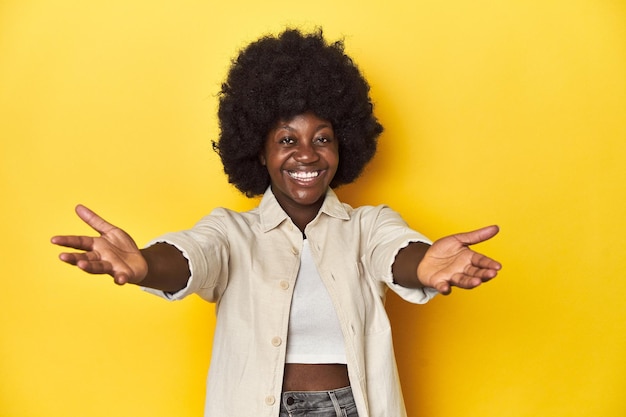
pixel 387 236
pixel 205 247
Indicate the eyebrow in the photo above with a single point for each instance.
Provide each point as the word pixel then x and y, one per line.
pixel 317 129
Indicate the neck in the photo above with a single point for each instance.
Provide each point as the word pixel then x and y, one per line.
pixel 302 215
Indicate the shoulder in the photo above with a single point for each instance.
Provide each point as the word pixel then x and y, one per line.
pixel 334 207
pixel 374 214
pixel 226 219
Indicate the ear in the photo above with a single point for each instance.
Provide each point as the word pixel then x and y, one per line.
pixel 262 159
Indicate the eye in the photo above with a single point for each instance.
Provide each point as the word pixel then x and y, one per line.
pixel 323 139
pixel 287 140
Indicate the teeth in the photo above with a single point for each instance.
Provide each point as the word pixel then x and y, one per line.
pixel 303 175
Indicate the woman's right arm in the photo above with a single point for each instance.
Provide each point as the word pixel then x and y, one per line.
pixel 114 252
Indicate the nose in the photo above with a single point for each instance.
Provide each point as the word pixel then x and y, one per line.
pixel 306 153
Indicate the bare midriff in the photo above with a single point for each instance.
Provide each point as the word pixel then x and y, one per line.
pixel 315 377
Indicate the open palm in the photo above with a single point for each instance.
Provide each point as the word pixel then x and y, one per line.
pixel 450 262
pixel 114 252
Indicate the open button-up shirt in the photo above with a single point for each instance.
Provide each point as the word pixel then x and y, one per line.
pixel 248 262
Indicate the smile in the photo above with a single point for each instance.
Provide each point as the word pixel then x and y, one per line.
pixel 304 176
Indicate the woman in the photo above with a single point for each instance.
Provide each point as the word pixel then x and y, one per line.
pixel 300 280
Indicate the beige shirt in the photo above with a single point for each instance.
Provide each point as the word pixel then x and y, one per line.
pixel 248 262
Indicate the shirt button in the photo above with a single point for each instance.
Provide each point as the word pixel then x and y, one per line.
pixel 284 284
pixel 276 341
pixel 270 400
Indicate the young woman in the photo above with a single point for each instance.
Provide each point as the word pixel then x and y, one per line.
pixel 300 280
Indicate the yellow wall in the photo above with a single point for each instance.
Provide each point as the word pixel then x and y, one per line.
pixel 509 112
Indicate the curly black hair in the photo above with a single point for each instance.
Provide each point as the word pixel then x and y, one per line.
pixel 277 78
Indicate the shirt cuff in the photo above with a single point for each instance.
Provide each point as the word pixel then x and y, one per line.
pixel 189 288
pixel 412 295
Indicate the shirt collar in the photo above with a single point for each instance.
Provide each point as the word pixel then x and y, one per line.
pixel 272 213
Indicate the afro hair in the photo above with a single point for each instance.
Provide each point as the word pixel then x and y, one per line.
pixel 277 78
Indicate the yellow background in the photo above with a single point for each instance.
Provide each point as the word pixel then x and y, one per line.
pixel 510 112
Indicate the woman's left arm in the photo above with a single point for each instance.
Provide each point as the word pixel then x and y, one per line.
pixel 448 263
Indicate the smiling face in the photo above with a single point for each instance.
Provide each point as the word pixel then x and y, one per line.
pixel 301 156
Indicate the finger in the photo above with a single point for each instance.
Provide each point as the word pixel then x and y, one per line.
pixel 103 267
pixel 74 242
pixel 70 258
pixel 465 282
pixel 485 270
pixel 95 267
pixel 88 263
pixel 443 288
pixel 484 262
pixel 93 220
pixel 481 273
pixel 479 235
pixel 74 258
pixel 120 279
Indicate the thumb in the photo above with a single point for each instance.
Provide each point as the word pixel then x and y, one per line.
pixel 477 236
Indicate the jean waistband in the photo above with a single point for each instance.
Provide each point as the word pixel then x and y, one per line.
pixel 317 399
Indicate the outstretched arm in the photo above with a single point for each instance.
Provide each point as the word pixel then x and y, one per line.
pixel 115 253
pixel 448 263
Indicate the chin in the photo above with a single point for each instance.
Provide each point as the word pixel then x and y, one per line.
pixel 308 198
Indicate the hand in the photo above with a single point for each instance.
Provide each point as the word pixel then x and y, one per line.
pixel 450 262
pixel 114 252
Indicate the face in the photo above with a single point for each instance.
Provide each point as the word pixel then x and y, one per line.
pixel 301 156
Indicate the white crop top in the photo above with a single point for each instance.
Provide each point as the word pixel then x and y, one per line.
pixel 314 331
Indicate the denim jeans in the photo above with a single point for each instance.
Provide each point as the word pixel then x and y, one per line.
pixel 335 403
